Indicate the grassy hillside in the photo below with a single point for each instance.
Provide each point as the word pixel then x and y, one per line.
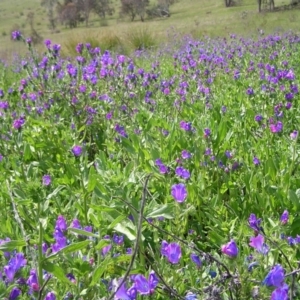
pixel 197 17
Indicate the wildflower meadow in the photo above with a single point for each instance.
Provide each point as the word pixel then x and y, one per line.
pixel 164 174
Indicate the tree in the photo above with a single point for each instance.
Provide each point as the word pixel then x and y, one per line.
pixel 85 7
pixel 35 37
pixel 68 14
pixel 49 5
pixel 266 3
pixel 228 3
pixel 259 5
pixel 134 8
pixel 103 7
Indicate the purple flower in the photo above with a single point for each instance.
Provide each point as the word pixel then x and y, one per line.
pixel 291 241
pixel 144 286
pixel 196 259
pixel 280 293
pixel 10 272
pixel 79 48
pixel 179 192
pixel 61 242
pixel 275 277
pixel 290 75
pixel 228 154
pixel 164 248
pixel 294 135
pixel 50 296
pixel 289 96
pixel 124 294
pixel 18 261
pixel 61 223
pixel 158 162
pixel 44 248
pixel 186 126
pixel 71 277
pixel 223 109
pixel 256 161
pixel 212 273
pixel 257 242
pixel 118 239
pixel 75 224
pixel 163 169
pixel 190 296
pixel 77 150
pixel 172 251
pixel 32 281
pixel 207 151
pixel 254 223
pixel 284 217
pixel 47 43
pixel 276 127
pixel 121 130
pixel 14 294
pixel 165 132
pixel 230 249
pixel 18 123
pixel 16 35
pixel 46 180
pixel 258 118
pixel 185 154
pixel 207 132
pixel 250 91
pixel 183 173
pixel 106 248
pixel 88 228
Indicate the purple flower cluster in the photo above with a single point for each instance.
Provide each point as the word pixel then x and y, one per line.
pixel 230 249
pixel 163 169
pixel 275 279
pixel 59 231
pixel 141 285
pixel 172 251
pixel 179 192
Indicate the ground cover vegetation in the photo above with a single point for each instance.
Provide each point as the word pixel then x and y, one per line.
pixel 108 23
pixel 167 174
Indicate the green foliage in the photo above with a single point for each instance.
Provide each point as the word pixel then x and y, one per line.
pixel 141 38
pixel 130 116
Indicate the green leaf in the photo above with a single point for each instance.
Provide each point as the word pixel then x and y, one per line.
pixel 83 232
pixel 69 249
pixel 123 228
pixel 92 217
pixel 272 222
pixel 19 194
pixel 99 271
pixel 56 271
pixel 11 245
pixel 165 211
pixel 119 219
pixel 55 192
pixel 102 244
pixel 27 152
pixel 92 180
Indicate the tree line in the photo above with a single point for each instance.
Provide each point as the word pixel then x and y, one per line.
pixel 72 12
pixel 262 4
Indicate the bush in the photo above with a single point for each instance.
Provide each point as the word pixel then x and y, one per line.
pixel 141 38
pixel 108 41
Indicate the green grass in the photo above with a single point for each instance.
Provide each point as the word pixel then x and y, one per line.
pixel 199 18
